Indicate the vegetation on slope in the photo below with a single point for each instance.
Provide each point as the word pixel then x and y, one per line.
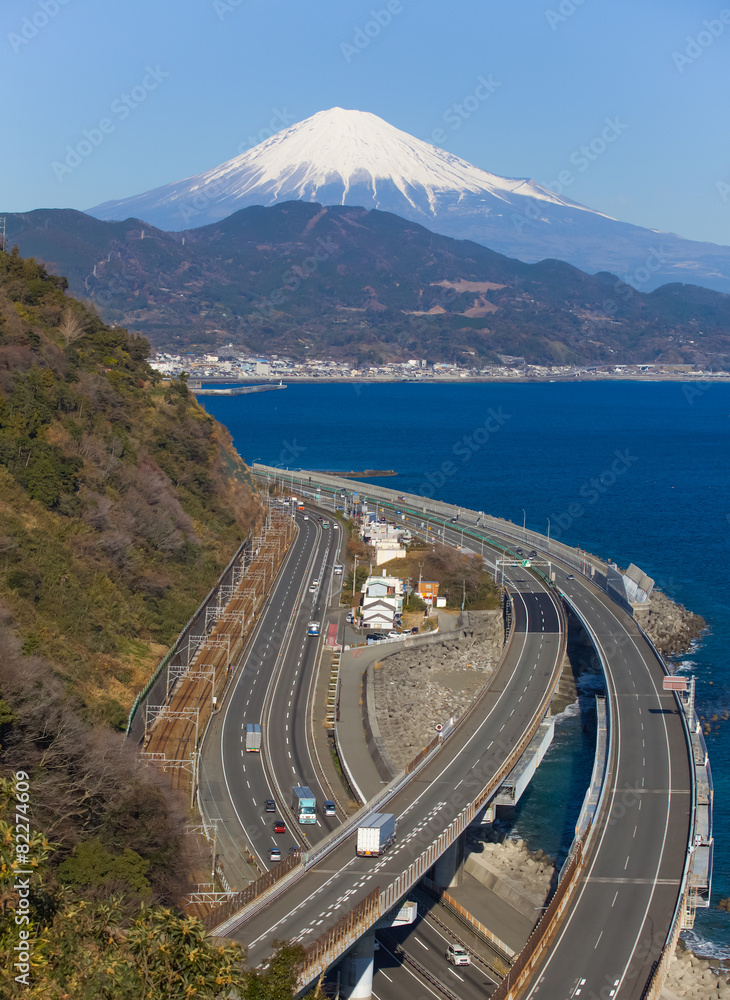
pixel 120 502
pixel 120 498
pixel 306 281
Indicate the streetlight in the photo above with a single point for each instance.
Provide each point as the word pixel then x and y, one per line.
pixel 548 521
pixel 524 519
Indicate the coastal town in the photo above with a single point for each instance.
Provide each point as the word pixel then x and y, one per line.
pixel 230 365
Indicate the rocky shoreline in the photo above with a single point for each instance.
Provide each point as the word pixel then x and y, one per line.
pixel 670 626
pixel 696 978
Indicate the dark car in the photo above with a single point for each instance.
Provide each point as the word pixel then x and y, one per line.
pixel 270 806
pixel 279 826
pixel 414 630
pixel 519 552
pixel 533 554
pixel 570 577
pixel 375 636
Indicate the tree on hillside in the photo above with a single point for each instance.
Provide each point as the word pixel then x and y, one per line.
pixel 71 326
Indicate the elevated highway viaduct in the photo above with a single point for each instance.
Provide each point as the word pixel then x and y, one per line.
pixel 433 805
pixel 630 889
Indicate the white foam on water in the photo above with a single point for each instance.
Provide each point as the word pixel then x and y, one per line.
pixel 569 712
pixel 703 947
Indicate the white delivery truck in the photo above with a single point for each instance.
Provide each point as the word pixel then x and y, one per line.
pixel 375 834
pixel 304 804
pixel 253 737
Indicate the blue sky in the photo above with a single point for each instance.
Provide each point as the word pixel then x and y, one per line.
pixel 209 76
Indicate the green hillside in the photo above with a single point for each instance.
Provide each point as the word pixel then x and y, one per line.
pixel 120 498
pixel 302 280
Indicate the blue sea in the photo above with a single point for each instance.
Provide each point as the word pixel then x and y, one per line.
pixel 632 471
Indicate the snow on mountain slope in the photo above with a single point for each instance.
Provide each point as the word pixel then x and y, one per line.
pixel 330 157
pixel 341 157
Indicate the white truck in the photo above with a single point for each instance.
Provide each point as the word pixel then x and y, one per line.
pixel 253 737
pixel 375 834
pixel 304 804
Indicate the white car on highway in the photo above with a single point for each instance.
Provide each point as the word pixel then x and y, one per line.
pixel 457 955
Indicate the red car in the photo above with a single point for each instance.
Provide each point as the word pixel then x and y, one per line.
pixel 279 826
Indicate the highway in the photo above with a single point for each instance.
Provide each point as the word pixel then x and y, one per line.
pixel 618 921
pixel 451 781
pixel 271 686
pixel 617 926
pixel 427 943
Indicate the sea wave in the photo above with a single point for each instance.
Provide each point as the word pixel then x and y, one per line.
pixel 704 947
pixel 569 712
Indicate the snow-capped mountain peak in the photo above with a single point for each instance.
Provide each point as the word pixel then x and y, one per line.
pixel 335 157
pixel 354 158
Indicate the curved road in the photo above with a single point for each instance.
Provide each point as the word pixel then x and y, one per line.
pixel 617 926
pixel 455 777
pixel 272 683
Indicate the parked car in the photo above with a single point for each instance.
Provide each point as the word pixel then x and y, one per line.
pixel 270 806
pixel 457 955
pixel 274 854
pixel 414 630
pixel 393 635
pixel 350 619
pixel 279 826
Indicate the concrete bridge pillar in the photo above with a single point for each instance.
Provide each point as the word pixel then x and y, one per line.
pixel 357 969
pixel 448 870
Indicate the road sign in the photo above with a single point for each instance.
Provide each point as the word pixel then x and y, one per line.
pixel 675 683
pixel 526 563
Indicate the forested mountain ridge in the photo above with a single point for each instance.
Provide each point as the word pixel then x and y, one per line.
pixel 120 498
pixel 307 281
pixel 120 501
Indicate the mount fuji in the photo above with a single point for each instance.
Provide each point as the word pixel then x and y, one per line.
pixel 341 157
